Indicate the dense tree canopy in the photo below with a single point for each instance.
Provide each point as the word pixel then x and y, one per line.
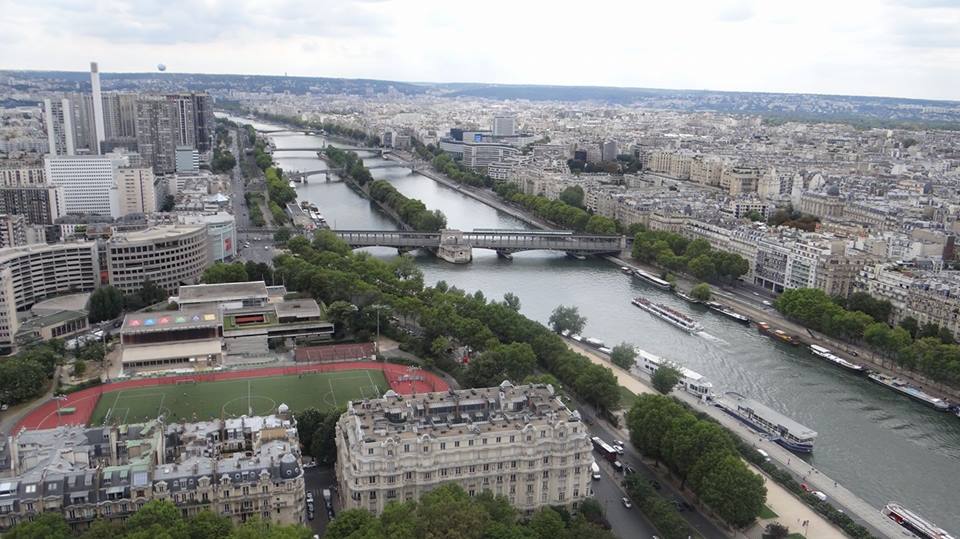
pixel 222 272
pixel 106 303
pixel 665 378
pixel 567 319
pixel 159 519
pixel 677 253
pixel 448 512
pixel 25 375
pixel 701 453
pixel 701 292
pixel 411 211
pixel 624 355
pixel 558 212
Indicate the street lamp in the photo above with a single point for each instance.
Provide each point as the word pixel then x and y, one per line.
pixel 59 398
pixel 378 306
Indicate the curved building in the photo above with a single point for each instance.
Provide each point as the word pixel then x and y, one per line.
pixel 31 273
pixel 168 255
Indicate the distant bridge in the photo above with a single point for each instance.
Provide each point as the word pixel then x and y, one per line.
pixel 321 148
pixel 301 176
pixel 304 131
pixel 455 245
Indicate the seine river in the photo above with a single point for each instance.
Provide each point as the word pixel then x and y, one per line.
pixel 878 444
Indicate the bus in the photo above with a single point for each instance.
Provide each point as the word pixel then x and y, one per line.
pixel 604 449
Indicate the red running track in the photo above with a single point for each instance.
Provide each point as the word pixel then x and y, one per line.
pixel 401 378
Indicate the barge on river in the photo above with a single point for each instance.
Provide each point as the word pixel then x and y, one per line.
pixel 826 354
pixel 663 312
pixel 778 427
pixel 913 522
pixel 914 393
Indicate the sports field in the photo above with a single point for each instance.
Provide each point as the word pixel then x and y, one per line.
pixel 191 400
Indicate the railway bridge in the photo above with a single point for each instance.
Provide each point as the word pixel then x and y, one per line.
pixel 456 245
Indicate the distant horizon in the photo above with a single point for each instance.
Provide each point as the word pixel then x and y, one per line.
pixel 870 48
pixel 158 73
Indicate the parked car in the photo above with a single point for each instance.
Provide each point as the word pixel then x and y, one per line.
pixel 310 515
pixel 629 470
pixel 618 466
pixel 309 496
pixel 618 449
pixel 820 496
pixel 626 502
pixel 620 443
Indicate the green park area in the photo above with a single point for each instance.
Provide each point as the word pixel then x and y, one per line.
pixel 190 401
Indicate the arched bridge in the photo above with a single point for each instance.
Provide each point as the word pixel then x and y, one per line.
pixel 321 148
pixel 455 245
pixel 304 131
pixel 299 176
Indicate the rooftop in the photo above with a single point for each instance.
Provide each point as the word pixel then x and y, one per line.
pixel 167 320
pixel 203 293
pixel 159 232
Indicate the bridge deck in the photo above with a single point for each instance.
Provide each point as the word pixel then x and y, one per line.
pixel 497 240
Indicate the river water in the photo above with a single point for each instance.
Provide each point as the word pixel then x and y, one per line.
pixel 878 444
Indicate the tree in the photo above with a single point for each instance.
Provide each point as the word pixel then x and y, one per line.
pixel 157 518
pixel 665 378
pixel 447 512
pixel 572 196
pixel 106 303
pixel 353 523
pixel 511 300
pixel 910 324
pixel 48 525
pixel 21 379
pixel 79 367
pixel 754 215
pixel 624 355
pixel 703 268
pixel 168 203
pixel 323 442
pixel 567 319
pixel 281 235
pixel 547 524
pixel 775 530
pixel 732 491
pixel 209 525
pixel 701 292
pixel 92 351
pixel 221 272
pixel 514 361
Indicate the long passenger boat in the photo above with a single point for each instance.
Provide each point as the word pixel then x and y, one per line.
pixel 825 353
pixel 691 381
pixel 914 393
pixel 778 427
pixel 913 522
pixel 727 311
pixel 777 334
pixel 652 279
pixel 672 316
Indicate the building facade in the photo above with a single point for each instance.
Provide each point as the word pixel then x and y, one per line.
pixel 22 173
pixel 58 122
pixel 168 255
pixel 87 181
pixel 520 442
pixel 135 191
pixel 240 468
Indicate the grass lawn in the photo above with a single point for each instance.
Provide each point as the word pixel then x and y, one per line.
pixel 766 513
pixel 626 398
pixel 232 398
pixel 796 535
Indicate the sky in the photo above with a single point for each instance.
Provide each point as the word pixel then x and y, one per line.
pixel 902 48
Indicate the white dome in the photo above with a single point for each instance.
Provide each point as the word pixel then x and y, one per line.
pixel 283 408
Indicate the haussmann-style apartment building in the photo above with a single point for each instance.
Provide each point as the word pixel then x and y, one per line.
pixel 520 442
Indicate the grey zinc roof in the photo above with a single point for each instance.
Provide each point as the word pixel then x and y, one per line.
pixel 222 292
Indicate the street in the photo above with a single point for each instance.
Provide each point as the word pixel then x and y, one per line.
pixel 627 527
pixel 315 480
pixel 261 247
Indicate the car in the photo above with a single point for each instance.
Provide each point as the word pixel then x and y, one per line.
pixel 621 443
pixel 767 303
pixel 310 506
pixel 805 487
pixel 626 502
pixel 266 247
pixel 3 407
pixel 617 465
pixel 618 449
pixel 629 470
pixel 655 484
pixel 820 495
pixel 309 495
pixel 311 515
pixel 682 505
pixel 310 464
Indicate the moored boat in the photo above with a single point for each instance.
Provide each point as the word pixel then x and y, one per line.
pixel 914 393
pixel 913 522
pixel 778 427
pixel 596 343
pixel 652 279
pixel 826 354
pixel 781 336
pixel 727 311
pixel 687 298
pixel 691 381
pixel 663 312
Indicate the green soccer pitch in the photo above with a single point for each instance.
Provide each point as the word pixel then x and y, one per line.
pixel 232 398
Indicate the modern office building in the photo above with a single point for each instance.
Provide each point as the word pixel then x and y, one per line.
pixel 504 126
pixel 87 182
pixel 13 230
pixel 168 255
pixel 222 230
pixel 58 117
pixel 99 133
pixel 157 132
pixel 21 173
pixel 135 190
pixel 188 160
pixel 520 442
pixel 243 468
pixel 31 273
pixel 39 205
pixel 203 121
pixel 119 116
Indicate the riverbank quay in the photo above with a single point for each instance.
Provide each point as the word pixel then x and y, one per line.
pixel 791 509
pixel 845 350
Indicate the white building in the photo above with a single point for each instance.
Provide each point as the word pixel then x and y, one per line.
pixel 519 442
pixel 58 121
pixel 222 231
pixel 187 159
pixel 87 182
pixel 504 126
pixel 135 191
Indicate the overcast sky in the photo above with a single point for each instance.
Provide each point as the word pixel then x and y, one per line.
pixel 904 48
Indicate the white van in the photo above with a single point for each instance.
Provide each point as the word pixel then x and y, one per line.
pixel 595 471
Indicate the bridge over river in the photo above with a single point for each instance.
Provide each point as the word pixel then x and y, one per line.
pixel 455 245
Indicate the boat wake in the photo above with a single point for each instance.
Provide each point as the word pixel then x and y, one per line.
pixel 711 337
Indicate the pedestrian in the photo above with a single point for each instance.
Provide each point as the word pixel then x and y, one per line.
pixel 788 462
pixel 834 483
